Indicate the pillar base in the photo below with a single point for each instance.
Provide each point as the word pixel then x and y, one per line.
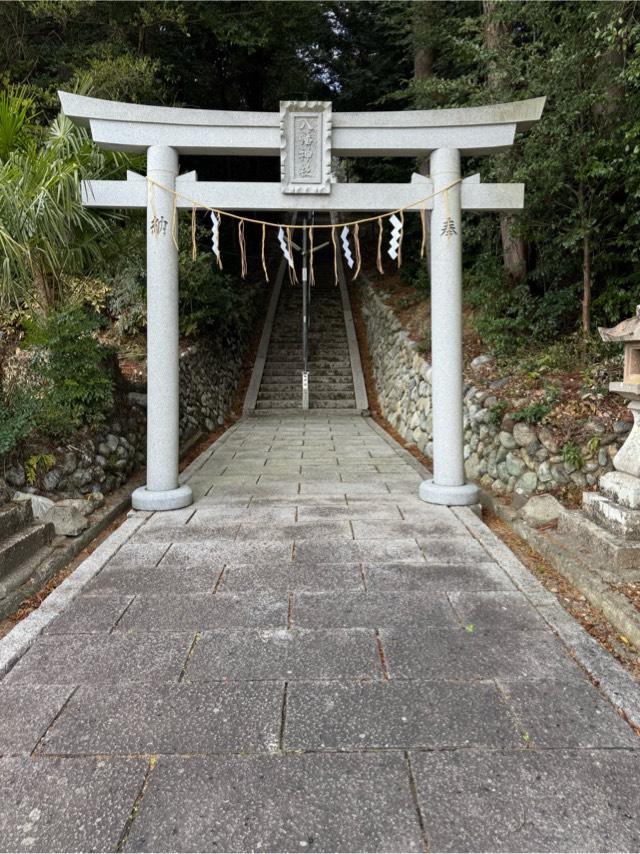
pixel 169 499
pixel 452 496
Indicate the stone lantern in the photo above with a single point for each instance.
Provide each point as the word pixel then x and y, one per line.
pixel 627 332
pixel 615 508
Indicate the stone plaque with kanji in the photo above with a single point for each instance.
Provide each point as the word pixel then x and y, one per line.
pixel 305 146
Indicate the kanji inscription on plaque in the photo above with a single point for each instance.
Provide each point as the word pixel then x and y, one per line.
pixel 305 146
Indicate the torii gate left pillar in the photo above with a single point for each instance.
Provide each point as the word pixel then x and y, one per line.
pixel 162 490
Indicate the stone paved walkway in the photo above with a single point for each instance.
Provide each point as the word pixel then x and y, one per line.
pixel 309 659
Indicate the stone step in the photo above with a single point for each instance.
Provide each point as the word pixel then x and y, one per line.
pixel 318 389
pixel 619 555
pixel 622 521
pixel 295 366
pixel 23 544
pixel 317 384
pixel 13 517
pixel 346 405
pixel 288 394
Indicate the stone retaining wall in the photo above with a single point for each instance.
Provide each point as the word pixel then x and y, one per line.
pixel 506 458
pixel 104 459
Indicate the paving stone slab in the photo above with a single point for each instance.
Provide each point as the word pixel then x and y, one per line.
pixel 191 533
pixel 291 577
pixel 297 532
pixel 397 530
pixel 292 803
pixel 98 659
pixel 26 712
pixel 139 554
pixel 461 655
pixel 401 715
pixel 458 550
pixel 324 512
pixel 185 718
pixel 214 552
pixel 345 551
pixel 66 804
pixel 160 579
pixel 530 800
pixel 510 610
pixel 199 611
pixel 432 577
pixel 325 488
pixel 556 713
pixel 88 614
pixel 254 513
pixel 360 610
pixel 285 655
pixel 158 521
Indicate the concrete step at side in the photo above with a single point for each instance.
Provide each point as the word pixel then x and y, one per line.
pixel 23 544
pixel 13 517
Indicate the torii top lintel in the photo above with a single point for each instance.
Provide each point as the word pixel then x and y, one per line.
pixel 136 127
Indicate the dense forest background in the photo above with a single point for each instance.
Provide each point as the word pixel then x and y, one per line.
pixel 568 262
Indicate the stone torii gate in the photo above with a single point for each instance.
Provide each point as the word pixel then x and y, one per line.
pixel 305 135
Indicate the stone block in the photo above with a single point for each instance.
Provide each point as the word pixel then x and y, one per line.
pixel 466 655
pixel 609 549
pixel 406 577
pixel 282 654
pixel 541 510
pixel 103 659
pixel 198 611
pixel 355 802
pixel 527 800
pixel 89 614
pixel 622 488
pixel 66 804
pixel 509 610
pixel 68 521
pixel 559 714
pixel 39 504
pixel 25 716
pixel 361 610
pixel 619 520
pixel 396 715
pixel 180 718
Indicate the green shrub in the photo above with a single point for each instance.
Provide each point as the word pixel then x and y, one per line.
pixel 18 417
pixel 213 302
pixel 497 411
pixel 535 412
pixel 70 360
pixel 572 455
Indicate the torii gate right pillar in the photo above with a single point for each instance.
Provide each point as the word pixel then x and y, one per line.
pixel 448 484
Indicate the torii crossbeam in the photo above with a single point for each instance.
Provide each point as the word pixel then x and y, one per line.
pixel 305 135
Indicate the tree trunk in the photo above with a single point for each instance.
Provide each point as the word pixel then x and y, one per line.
pixel 45 294
pixel 514 252
pixel 586 285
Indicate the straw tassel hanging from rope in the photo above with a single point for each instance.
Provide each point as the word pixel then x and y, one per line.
pixel 243 249
pixel 379 255
pixel 264 261
pixel 356 243
pixel 312 277
pixel 335 256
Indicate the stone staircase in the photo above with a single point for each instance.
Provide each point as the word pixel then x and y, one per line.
pixel 330 373
pixel 21 544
